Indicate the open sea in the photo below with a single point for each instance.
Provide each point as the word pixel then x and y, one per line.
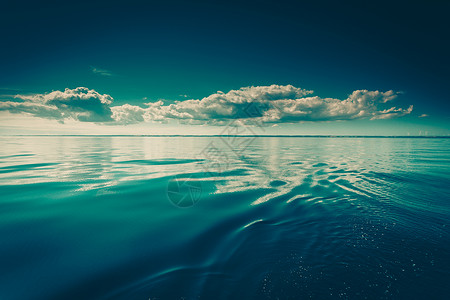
pixel 115 217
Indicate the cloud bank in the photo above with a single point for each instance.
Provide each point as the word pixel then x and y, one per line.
pixel 267 104
pixel 81 104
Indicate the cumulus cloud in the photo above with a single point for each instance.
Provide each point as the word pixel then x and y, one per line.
pixel 361 104
pixel 235 104
pixel 278 104
pixel 128 114
pixel 35 109
pixel 80 104
pixel 267 104
pixel 131 114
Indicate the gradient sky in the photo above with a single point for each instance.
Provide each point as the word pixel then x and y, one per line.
pixel 141 52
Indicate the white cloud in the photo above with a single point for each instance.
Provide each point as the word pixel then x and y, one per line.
pixel 277 104
pixel 128 114
pixel 32 108
pixel 79 104
pixel 268 104
pixel 102 72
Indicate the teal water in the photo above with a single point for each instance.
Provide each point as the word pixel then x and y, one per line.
pixel 224 218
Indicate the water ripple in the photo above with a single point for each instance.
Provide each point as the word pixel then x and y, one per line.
pixel 101 218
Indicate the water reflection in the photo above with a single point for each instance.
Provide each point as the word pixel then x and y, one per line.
pixel 281 217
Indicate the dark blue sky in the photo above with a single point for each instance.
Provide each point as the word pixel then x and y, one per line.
pixel 172 48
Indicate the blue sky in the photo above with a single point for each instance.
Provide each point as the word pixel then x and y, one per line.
pixel 144 52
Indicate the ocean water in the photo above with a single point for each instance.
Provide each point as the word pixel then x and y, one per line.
pixel 224 218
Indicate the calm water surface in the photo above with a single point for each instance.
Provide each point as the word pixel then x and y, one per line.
pixel 224 218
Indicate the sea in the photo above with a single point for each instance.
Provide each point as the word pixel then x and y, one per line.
pixel 224 217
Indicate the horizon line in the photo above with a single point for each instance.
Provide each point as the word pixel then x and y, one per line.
pixel 228 135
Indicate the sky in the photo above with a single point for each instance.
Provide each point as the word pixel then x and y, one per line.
pixel 200 67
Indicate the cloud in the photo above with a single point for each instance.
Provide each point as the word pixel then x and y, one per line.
pixel 35 109
pixel 235 104
pixel 80 104
pixel 102 72
pixel 132 114
pixel 128 114
pixel 266 104
pixel 423 116
pixel 284 104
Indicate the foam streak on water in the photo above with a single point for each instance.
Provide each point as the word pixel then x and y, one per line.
pixel 191 217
